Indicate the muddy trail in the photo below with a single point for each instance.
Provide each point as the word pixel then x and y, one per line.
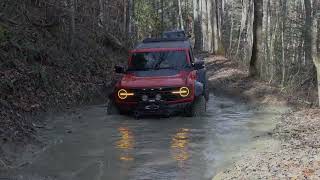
pixel 85 143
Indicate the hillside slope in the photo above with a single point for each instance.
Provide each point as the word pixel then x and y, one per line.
pixel 42 68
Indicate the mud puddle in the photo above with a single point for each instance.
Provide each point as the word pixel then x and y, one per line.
pixel 87 144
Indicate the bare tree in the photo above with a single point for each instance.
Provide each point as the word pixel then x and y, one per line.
pixel 243 22
pixel 231 30
pixel 197 25
pixel 257 38
pixel 130 16
pixel 308 30
pixel 72 30
pixel 314 36
pixel 180 15
pixel 283 45
pixel 215 21
pixel 210 26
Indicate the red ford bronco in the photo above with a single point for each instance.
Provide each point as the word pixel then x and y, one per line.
pixel 163 78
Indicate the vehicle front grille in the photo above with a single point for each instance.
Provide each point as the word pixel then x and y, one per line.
pixel 166 94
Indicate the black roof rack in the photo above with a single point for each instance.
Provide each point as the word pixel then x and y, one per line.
pixel 152 40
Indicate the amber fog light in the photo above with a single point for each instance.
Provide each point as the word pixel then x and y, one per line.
pixel 123 94
pixel 183 92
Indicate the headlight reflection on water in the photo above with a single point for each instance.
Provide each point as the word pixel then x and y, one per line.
pixel 179 145
pixel 125 144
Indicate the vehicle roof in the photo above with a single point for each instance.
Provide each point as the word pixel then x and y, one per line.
pixel 163 43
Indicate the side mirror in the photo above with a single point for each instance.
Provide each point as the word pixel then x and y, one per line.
pixel 198 65
pixel 119 69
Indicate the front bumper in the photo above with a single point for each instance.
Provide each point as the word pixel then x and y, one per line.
pixel 155 108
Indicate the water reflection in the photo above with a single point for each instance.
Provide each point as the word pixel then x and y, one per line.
pixel 125 144
pixel 179 145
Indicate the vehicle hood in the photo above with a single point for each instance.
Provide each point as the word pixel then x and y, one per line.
pixel 134 80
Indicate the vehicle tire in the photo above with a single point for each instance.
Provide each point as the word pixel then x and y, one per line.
pixel 206 89
pixel 198 108
pixel 206 93
pixel 112 109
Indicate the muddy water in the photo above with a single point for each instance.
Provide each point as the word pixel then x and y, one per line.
pixel 90 145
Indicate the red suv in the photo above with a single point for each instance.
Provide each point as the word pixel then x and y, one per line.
pixel 163 78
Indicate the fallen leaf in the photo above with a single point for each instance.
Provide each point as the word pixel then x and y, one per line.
pixel 308 172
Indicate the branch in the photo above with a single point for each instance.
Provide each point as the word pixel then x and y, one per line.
pixel 109 39
pixel 3 18
pixel 46 25
pixel 5 165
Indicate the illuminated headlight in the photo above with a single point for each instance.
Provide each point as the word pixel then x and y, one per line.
pixel 123 94
pixel 144 98
pixel 158 97
pixel 183 92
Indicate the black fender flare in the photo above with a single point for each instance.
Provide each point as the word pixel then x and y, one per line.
pixel 198 88
pixel 203 78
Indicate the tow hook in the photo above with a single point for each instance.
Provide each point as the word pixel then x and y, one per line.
pixel 136 115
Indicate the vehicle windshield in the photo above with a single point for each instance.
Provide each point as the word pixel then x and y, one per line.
pixel 143 61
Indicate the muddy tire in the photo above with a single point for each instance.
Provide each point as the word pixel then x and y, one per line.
pixel 112 109
pixel 206 89
pixel 198 108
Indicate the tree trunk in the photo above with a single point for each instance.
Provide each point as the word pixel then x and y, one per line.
pixel 125 18
pixel 272 33
pixel 219 6
pixel 308 31
pixel 283 28
pixel 315 55
pixel 162 15
pixel 204 24
pixel 130 16
pixel 243 23
pixel 72 30
pixel 231 31
pixel 210 21
pixel 215 27
pixel 180 15
pixel 267 38
pixel 318 78
pixel 197 25
pixel 101 13
pixel 257 38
